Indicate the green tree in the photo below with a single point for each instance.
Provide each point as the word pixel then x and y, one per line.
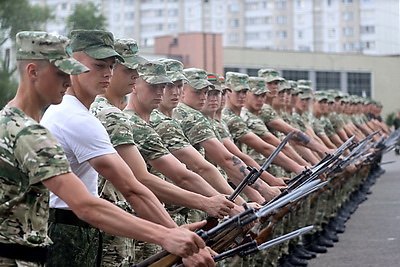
pixel 86 16
pixel 16 16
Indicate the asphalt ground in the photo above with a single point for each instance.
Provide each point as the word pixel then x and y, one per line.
pixel 372 236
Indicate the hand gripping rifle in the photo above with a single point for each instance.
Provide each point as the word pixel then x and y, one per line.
pixel 250 178
pixel 249 215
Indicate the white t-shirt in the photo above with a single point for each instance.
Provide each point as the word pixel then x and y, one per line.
pixel 82 137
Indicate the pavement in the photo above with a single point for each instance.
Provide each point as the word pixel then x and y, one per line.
pixel 372 236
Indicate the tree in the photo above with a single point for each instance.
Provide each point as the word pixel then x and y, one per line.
pixel 86 16
pixel 16 16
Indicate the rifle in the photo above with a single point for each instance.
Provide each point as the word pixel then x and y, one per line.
pixel 253 246
pixel 250 178
pixel 240 220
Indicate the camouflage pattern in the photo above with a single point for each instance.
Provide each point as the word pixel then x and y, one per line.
pixel 195 125
pixel 216 80
pixel 299 121
pixel 81 248
pixel 174 69
pixel 317 126
pixel 97 44
pixel 336 121
pixel 117 251
pixel 43 45
pixel 148 141
pixel 236 125
pixel 255 124
pixel 197 78
pixel 153 72
pixel 270 75
pixel 169 130
pixel 267 114
pixel 129 50
pixel 222 128
pixel 29 154
pixel 257 85
pixel 17 263
pixel 329 130
pixel 237 81
pixel 289 119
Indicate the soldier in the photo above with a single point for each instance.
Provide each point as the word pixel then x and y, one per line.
pixel 32 159
pixel 202 134
pixel 172 134
pixel 118 250
pixel 90 153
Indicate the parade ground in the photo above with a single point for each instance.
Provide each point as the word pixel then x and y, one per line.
pixel 372 236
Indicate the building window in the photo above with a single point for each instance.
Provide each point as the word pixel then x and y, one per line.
pixel 281 34
pixel 281 4
pixel 252 36
pixel 173 12
pixel 368 45
pixel 129 16
pixel 233 37
pixel 305 48
pixel 348 31
pixel 234 23
pixel 367 29
pixel 347 2
pixel 300 4
pixel 281 20
pixel 234 8
pixel 327 80
pixel 295 75
pixel 348 16
pixel 359 83
pixel 331 33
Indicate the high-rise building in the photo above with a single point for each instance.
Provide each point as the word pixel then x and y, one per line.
pixel 336 26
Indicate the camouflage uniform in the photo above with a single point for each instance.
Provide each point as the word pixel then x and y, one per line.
pixel 117 251
pixel 29 155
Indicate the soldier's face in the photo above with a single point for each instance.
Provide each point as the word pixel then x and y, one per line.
pixel 213 102
pixel 195 98
pixel 149 96
pixel 302 104
pixel 238 98
pixel 97 80
pixel 123 80
pixel 51 82
pixel 172 93
pixel 273 89
pixel 255 102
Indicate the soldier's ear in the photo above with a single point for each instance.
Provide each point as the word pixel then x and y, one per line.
pixel 32 70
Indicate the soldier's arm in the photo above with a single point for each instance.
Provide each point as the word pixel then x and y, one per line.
pixel 216 206
pixel 111 219
pixel 113 168
pixel 281 159
pixel 196 162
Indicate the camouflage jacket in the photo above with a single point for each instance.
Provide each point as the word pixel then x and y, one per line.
pixel 317 126
pixel 118 128
pixel 169 130
pixel 255 124
pixel 267 114
pixel 195 125
pixel 336 121
pixel 328 127
pixel 29 154
pixel 300 121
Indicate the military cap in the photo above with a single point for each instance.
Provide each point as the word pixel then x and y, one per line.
pixel 304 82
pixel 237 81
pixel 284 85
pixel 96 43
pixel 293 85
pixel 153 72
pixel 129 50
pixel 197 78
pixel 222 81
pixel 257 85
pixel 305 91
pixel 174 69
pixel 215 80
pixel 320 95
pixel 43 45
pixel 270 75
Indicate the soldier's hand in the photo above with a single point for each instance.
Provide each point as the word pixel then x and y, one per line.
pixel 218 206
pixel 279 181
pixel 271 192
pixel 181 241
pixel 203 258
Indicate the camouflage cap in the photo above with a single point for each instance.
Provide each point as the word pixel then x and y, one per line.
pixel 174 69
pixel 320 95
pixel 43 45
pixel 270 75
pixel 305 91
pixel 237 81
pixel 215 80
pixel 153 72
pixel 293 85
pixel 96 43
pixel 197 78
pixel 129 50
pixel 284 85
pixel 257 85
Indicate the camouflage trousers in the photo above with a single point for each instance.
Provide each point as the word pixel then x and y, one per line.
pixel 17 263
pixel 117 251
pixel 74 246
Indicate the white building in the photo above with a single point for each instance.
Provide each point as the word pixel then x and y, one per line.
pixel 351 26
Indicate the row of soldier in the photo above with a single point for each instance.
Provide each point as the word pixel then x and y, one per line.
pixel 195 130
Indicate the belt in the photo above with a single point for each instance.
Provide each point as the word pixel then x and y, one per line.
pixel 25 253
pixel 66 217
